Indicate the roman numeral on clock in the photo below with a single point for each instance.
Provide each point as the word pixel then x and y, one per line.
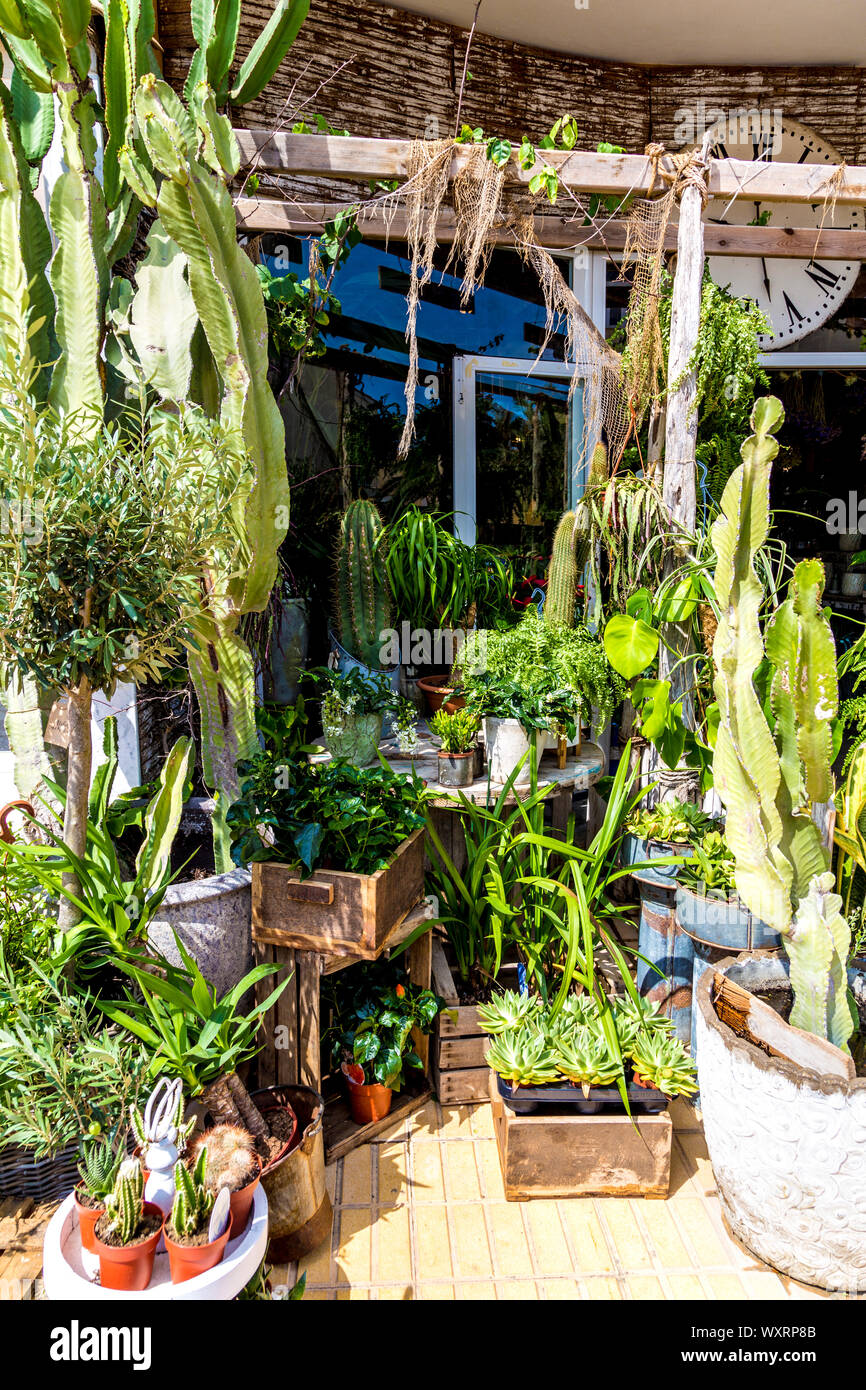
pixel 794 314
pixel 822 276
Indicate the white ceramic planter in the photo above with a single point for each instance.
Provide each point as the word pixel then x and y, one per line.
pixel 70 1272
pixel 507 743
pixel 213 918
pixel 787 1145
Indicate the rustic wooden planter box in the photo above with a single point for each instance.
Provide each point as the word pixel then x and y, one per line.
pixel 460 1073
pixel 335 912
pixel 581 1155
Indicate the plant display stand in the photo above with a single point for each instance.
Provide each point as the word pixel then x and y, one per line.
pixel 569 1155
pixel 292 1053
pixel 459 1072
pixel 69 1272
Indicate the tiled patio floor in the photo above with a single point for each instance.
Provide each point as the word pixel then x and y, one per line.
pixel 420 1213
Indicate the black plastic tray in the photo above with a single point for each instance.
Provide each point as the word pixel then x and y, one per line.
pixel 528 1100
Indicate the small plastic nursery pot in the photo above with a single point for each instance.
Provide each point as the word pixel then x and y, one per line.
pixel 129 1267
pixel 87 1219
pixel 186 1261
pixel 367 1103
pixel 241 1201
pixel 457 769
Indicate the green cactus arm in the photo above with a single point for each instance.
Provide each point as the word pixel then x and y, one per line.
pixel 163 317
pixel 745 764
pixel 79 275
pixel 363 603
pixel 119 81
pixel 564 574
pixel 162 818
pixel 222 43
pixel 817 691
pixel 817 947
pixel 224 679
pixel 28 706
pixel 219 148
pixel 25 250
pixel 103 777
pixel 34 117
pixel 269 50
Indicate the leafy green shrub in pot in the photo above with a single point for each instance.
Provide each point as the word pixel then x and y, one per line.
pixel 100 1161
pixel 354 705
pixel 458 733
pixel 671 822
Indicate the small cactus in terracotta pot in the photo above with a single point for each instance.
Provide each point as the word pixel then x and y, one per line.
pixel 231 1162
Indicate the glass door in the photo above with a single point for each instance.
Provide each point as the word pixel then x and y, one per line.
pixel 516 466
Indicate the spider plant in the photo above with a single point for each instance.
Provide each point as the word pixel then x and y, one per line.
pixel 431 572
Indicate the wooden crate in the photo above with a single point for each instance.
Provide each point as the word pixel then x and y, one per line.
pixel 460 1073
pixel 335 912
pixel 581 1155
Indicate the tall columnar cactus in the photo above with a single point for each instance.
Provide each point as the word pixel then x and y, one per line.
pixel 363 606
pixel 769 779
pixel 571 545
pixel 193 1199
pixel 124 1205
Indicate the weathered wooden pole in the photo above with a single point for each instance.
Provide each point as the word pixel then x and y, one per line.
pixel 681 425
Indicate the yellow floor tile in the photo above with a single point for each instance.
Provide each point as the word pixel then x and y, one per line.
pixel 427 1181
pixel 617 1215
pixel 602 1289
pixel 509 1239
pixel 316 1296
pixel 393 1181
pixel 353 1295
pixel 561 1290
pixel 461 1172
pixel 473 1249
pixel 456 1122
pixel 726 1287
pixel 762 1283
pixel 394 1133
pixel 548 1239
pixel 317 1266
pixel 683 1115
pixel 658 1219
pixel 432 1244
pixel 353 1259
pixel 439 1293
pixel 641 1286
pixel 693 1219
pixel 481 1122
pixel 424 1123
pixel 331 1181
pixel 392 1261
pixel 357 1176
pixel 682 1185
pixel 397 1293
pixel 695 1148
pixel 684 1286
pixel 587 1238
pixel 476 1293
pixel 490 1168
pixel 515 1290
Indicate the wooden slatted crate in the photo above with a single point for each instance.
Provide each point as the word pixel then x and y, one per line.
pixel 460 1074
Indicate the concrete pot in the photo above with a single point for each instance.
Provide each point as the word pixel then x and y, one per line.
pixel 507 743
pixel 787 1145
pixel 281 674
pixel 212 917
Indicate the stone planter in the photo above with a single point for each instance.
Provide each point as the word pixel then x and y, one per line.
pixel 788 1145
pixel 212 916
pixel 281 673
pixel 507 743
pixel 357 739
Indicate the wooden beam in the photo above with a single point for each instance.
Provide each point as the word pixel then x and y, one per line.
pixel 352 157
pixel 559 233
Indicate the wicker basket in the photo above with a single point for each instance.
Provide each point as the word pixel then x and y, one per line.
pixel 43 1179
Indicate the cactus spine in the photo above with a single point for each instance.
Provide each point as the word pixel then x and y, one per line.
pixel 124 1205
pixel 363 607
pixel 193 1199
pixel 768 779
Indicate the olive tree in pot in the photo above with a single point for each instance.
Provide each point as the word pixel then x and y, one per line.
pixel 785 1139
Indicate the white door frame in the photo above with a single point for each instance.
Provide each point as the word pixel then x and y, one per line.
pixel 465 372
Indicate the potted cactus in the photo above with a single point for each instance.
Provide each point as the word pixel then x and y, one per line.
pixel 458 733
pixel 362 609
pixel 231 1162
pixel 126 1235
pixel 98 1168
pixel 198 1230
pixel 785 1139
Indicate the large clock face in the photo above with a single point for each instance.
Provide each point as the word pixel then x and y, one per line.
pixel 796 296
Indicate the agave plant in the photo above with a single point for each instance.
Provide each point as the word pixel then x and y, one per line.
pixel 507 1011
pixel 523 1057
pixel 583 1056
pixel 660 1060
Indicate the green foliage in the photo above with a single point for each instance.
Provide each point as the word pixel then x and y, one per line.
pixel 187 1031
pixel 351 818
pixel 673 822
pixel 101 1158
pixel 363 611
pixel 430 572
pixel 124 1205
pixel 193 1199
pixel 457 731
pixel 711 866
pixel 374 1008
pixel 353 692
pixel 564 574
pixel 60 1071
pixel 300 309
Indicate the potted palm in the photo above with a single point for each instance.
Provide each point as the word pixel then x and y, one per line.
pixel 458 733
pixel 126 1235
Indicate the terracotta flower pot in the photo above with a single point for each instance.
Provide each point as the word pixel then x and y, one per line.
pixel 128 1267
pixel 367 1103
pixel 436 693
pixel 242 1200
pixel 87 1219
pixel 186 1261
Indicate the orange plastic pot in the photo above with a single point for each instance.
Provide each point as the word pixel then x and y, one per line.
pixel 241 1201
pixel 367 1103
pixel 128 1267
pixel 87 1219
pixel 186 1261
